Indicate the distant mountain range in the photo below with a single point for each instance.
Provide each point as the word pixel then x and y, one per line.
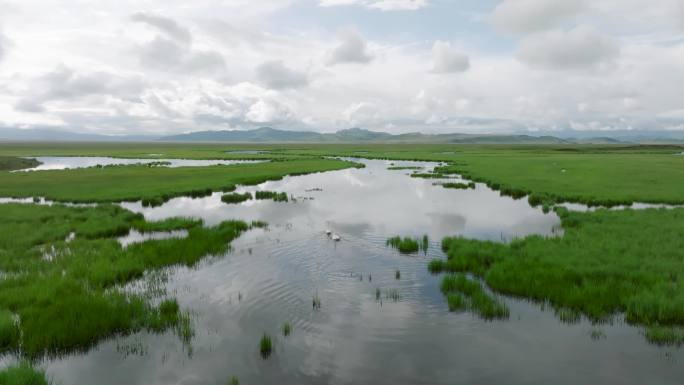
pixel 351 135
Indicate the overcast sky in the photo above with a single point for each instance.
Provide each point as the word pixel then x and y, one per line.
pixel 169 66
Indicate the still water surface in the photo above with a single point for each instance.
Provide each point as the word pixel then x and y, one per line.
pixel 272 275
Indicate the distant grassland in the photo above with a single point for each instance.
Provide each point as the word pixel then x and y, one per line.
pixel 128 183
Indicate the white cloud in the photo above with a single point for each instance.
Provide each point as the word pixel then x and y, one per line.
pixel 168 26
pixel 275 74
pixel 384 5
pixel 581 48
pixel 446 59
pixel 523 16
pixel 351 49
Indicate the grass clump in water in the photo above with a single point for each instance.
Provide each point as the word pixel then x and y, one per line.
pixel 265 346
pixel 408 245
pixel 397 274
pixel 273 195
pixel 236 197
pixel 233 381
pixel 428 175
pixel 404 168
pixel 286 329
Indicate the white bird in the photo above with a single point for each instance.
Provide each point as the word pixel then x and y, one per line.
pixel 336 237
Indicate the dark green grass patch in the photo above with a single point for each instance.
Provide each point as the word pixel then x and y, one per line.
pixel 395 168
pixel 607 262
pixel 10 163
pixel 236 197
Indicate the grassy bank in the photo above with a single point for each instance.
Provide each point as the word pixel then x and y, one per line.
pixel 60 295
pixel 607 262
pixel 153 185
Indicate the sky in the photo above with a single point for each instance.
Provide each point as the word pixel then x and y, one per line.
pixel 477 66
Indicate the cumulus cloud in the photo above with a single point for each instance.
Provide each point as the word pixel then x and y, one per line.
pixel 3 45
pixel 64 84
pixel 524 16
pixel 580 48
pixel 274 74
pixel 384 5
pixel 173 51
pixel 446 59
pixel 352 49
pixel 168 26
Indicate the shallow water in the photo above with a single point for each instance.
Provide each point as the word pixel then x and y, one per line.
pixel 272 275
pixel 69 162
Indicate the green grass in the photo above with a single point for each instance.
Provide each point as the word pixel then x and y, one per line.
pixel 233 381
pixel 607 262
pixel 71 302
pixel 272 195
pixel 154 185
pixel 265 346
pixel 408 245
pixel 236 198
pixel 22 374
pixel 10 163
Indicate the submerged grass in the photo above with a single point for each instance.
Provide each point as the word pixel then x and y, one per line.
pixel 72 301
pixel 465 294
pixel 273 195
pixel 286 329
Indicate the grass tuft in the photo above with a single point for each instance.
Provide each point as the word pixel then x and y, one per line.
pixel 265 346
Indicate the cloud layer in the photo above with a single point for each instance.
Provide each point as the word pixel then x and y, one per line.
pixel 397 65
